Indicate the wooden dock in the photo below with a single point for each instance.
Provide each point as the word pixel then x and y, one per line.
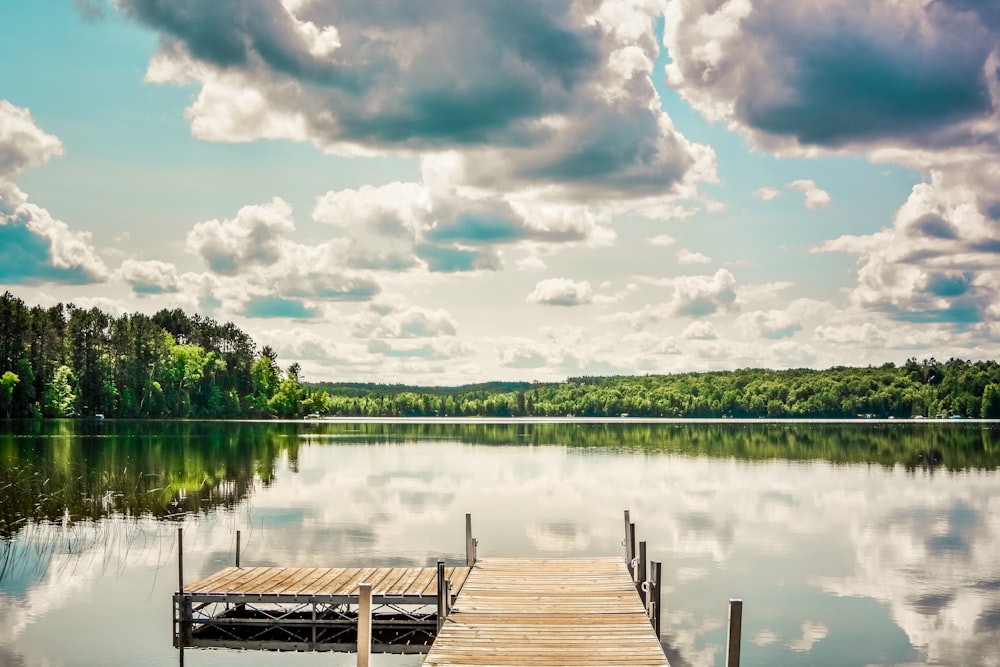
pixel 547 612
pixel 585 612
pixel 314 608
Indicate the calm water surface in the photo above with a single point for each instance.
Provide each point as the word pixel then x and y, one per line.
pixel 851 544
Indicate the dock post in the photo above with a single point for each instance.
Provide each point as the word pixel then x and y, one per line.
pixel 470 548
pixel 640 572
pixel 237 548
pixel 442 596
pixel 735 628
pixel 185 612
pixel 180 560
pixel 628 543
pixel 655 578
pixel 364 624
pixel 630 550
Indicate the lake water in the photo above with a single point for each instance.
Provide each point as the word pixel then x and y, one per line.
pixel 850 544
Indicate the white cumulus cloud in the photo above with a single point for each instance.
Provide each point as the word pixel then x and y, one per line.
pixel 815 197
pixel 561 292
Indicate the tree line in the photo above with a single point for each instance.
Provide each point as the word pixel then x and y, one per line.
pixel 928 388
pixel 65 361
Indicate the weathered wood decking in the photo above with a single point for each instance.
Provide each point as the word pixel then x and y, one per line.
pixel 315 608
pixel 328 584
pixel 547 612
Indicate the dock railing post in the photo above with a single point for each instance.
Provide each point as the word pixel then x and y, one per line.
pixel 655 578
pixel 628 543
pixel 470 547
pixel 640 573
pixel 442 596
pixel 735 628
pixel 630 550
pixel 237 548
pixel 364 624
pixel 180 560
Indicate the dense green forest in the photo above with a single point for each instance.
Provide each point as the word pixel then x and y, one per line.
pixel 926 388
pixel 66 361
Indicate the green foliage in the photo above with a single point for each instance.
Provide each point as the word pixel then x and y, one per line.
pixel 8 381
pixel 59 399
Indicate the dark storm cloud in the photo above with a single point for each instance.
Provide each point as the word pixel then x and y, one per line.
pixel 989 246
pixel 436 73
pixel 992 211
pixel 541 91
pixel 613 149
pixel 933 226
pixel 986 10
pixel 843 74
pixel 852 87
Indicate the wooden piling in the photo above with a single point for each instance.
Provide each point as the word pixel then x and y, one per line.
pixel 180 560
pixel 655 580
pixel 640 578
pixel 237 548
pixel 630 550
pixel 441 596
pixel 364 624
pixel 735 629
pixel 470 547
pixel 628 542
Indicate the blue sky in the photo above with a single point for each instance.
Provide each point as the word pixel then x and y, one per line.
pixel 445 192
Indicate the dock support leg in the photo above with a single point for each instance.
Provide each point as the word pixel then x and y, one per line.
pixel 655 578
pixel 640 573
pixel 364 624
pixel 183 621
pixel 237 548
pixel 178 621
pixel 182 604
pixel 442 596
pixel 735 629
pixel 470 547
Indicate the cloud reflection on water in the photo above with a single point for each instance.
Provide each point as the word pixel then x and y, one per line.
pixel 851 564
